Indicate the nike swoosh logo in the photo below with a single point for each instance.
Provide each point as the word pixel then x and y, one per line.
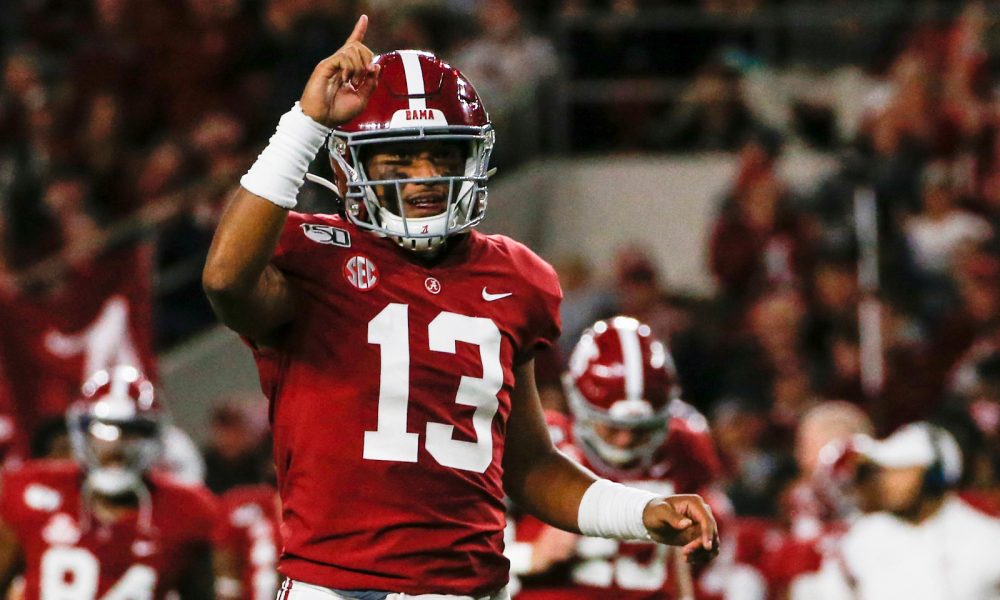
pixel 491 297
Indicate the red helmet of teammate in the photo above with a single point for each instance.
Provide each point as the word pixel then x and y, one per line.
pixel 620 378
pixel 115 429
pixel 419 99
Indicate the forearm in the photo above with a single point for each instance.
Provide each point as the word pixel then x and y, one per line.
pixel 246 292
pixel 551 489
pixel 243 245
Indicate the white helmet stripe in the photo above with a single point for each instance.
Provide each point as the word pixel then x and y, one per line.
pixel 632 361
pixel 414 78
pixel 121 378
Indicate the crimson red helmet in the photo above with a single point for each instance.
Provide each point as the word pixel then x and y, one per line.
pixel 115 429
pixel 419 99
pixel 620 376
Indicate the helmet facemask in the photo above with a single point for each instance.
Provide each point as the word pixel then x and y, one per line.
pixel 379 205
pixel 116 432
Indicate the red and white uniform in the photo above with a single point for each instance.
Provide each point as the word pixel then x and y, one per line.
pixel 249 530
pixel 390 395
pixel 626 570
pixel 70 555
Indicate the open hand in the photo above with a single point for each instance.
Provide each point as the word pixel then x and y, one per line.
pixel 340 85
pixel 684 520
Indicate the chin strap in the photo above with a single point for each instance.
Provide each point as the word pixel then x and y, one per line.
pixel 325 183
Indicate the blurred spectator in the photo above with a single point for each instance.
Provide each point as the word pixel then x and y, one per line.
pixel 942 228
pixel 768 349
pixel 510 65
pixel 711 114
pixel 639 293
pixel 237 442
pixel 758 241
pixel 753 472
pixel 583 300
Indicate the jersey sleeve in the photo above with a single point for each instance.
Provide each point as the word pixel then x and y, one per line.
pixel 11 498
pixel 202 515
pixel 226 534
pixel 544 322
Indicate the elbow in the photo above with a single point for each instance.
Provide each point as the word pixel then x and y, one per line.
pixel 215 281
pixel 219 282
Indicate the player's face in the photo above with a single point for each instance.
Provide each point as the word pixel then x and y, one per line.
pixel 115 445
pixel 624 438
pixel 892 490
pixel 414 160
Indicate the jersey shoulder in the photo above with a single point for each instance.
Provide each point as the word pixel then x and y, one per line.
pixel 198 505
pixel 528 265
pixel 689 447
pixel 37 489
pixel 260 496
pixel 307 235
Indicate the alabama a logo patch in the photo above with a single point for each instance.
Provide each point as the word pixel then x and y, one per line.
pixel 361 272
pixel 327 234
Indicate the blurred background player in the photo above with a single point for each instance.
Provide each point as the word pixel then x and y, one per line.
pixel 107 525
pixel 249 541
pixel 917 539
pixel 815 506
pixel 629 425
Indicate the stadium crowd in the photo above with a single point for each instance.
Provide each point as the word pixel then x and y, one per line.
pixel 123 123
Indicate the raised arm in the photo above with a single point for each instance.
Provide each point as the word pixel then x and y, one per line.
pixel 246 291
pixel 548 484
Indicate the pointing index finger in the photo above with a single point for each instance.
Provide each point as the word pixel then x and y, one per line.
pixel 358 35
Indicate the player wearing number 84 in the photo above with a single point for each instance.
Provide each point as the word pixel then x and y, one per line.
pixel 396 348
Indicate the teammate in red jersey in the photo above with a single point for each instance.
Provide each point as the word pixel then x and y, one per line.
pixel 396 345
pixel 105 527
pixel 248 544
pixel 629 426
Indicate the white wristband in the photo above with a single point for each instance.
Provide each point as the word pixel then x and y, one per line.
pixel 613 510
pixel 281 168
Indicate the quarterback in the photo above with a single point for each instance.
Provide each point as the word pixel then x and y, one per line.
pixel 396 345
pixel 106 526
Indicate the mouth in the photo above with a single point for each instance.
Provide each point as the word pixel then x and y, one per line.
pixel 425 204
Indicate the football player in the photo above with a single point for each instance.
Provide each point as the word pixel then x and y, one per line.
pixel 917 539
pixel 248 542
pixel 629 425
pixel 395 344
pixel 105 526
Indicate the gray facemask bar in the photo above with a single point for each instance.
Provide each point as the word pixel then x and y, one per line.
pixel 464 210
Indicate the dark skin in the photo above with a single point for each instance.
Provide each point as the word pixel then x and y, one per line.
pixel 252 297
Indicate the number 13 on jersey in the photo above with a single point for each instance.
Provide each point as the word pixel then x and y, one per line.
pixel 390 330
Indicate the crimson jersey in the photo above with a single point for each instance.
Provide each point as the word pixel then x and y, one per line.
pixel 390 395
pixel 627 570
pixel 68 554
pixel 249 530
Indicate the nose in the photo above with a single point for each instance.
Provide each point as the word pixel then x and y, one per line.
pixel 424 167
pixel 623 438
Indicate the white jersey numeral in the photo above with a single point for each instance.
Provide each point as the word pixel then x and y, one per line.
pixel 390 331
pixel 602 565
pixel 73 574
